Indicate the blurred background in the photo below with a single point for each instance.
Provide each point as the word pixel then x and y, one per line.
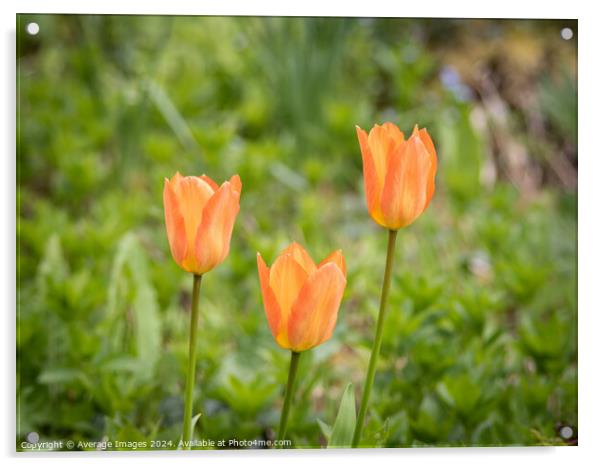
pixel 480 338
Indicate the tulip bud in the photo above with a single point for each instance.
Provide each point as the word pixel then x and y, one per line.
pixel 302 300
pixel 199 217
pixel 399 174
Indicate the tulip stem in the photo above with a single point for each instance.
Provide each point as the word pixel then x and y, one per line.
pixel 290 385
pixel 377 339
pixel 194 317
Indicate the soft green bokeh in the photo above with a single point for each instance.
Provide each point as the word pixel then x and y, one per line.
pixel 480 344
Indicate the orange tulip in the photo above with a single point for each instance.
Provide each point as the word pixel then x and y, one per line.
pixel 399 174
pixel 301 299
pixel 199 216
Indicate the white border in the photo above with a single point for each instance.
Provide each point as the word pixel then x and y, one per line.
pixel 462 8
pixel 590 226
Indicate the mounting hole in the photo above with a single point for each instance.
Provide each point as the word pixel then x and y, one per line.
pixel 566 33
pixel 32 29
pixel 566 432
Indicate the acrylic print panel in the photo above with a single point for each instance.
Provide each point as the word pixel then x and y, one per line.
pixel 360 287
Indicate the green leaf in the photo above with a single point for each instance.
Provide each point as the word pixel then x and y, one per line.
pixel 325 428
pixel 121 364
pixel 172 115
pixel 195 419
pixel 131 257
pixel 287 176
pixel 147 329
pixel 53 268
pixel 342 431
pixel 63 375
pixel 462 154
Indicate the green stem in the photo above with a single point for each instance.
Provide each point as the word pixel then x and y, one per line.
pixel 194 317
pixel 377 339
pixel 292 373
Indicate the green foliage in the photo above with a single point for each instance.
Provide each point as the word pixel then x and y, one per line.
pixel 480 341
pixel 340 435
pixel 559 103
pixel 462 154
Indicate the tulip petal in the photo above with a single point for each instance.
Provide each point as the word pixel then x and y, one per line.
pixel 314 313
pixel 381 145
pixel 301 256
pixel 372 185
pixel 430 147
pixel 270 304
pixel 176 229
pixel 405 194
pixel 336 257
pixel 286 280
pixel 236 184
pixel 394 133
pixel 192 194
pixel 428 142
pixel 210 182
pixel 214 233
